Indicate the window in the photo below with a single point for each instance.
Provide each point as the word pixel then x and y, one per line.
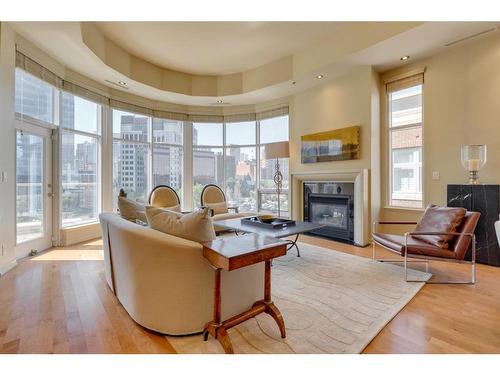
pixel 80 150
pixel 405 143
pixel 273 130
pixel 228 154
pixel 29 187
pixel 168 154
pixel 131 150
pixel 35 98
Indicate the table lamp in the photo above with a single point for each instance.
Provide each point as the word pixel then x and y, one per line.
pixel 276 151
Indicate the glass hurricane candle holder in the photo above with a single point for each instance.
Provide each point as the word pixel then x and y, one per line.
pixel 473 159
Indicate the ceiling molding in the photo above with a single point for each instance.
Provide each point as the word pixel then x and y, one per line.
pixel 179 82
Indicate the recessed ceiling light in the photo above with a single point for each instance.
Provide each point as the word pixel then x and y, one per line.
pixel 319 76
pixel 404 58
pixel 219 101
pixel 122 83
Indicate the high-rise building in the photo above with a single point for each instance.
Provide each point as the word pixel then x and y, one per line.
pixel 167 166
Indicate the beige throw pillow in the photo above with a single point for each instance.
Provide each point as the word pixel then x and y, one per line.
pixel 196 226
pixel 131 210
pixel 218 208
pixel 176 208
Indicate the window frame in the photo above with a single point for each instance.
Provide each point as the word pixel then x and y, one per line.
pixel 148 143
pixel 389 133
pixel 169 145
pixel 56 97
pixel 98 139
pixel 259 191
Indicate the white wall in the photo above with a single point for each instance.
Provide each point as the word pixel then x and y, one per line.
pixel 349 100
pixel 461 105
pixel 7 149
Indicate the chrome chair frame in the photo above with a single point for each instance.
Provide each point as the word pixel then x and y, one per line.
pixel 415 258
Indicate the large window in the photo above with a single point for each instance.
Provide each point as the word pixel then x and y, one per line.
pixel 34 98
pixel 241 165
pixel 405 144
pixel 80 141
pixel 231 155
pixel 273 130
pixel 208 157
pixel 168 154
pixel 131 155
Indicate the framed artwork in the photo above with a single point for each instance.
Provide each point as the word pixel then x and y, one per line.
pixel 334 145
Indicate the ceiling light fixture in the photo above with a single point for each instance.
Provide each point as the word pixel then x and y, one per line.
pixel 404 58
pixel 319 76
pixel 219 101
pixel 122 83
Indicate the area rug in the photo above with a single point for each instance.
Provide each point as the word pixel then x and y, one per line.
pixel 332 302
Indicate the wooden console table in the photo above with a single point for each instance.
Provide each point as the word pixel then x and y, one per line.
pixel 230 254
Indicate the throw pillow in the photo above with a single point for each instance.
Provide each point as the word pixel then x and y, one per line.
pixel 131 210
pixel 218 208
pixel 176 208
pixel 440 219
pixel 196 226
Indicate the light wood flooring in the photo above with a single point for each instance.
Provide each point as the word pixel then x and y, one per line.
pixel 59 302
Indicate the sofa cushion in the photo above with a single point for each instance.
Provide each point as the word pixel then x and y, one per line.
pixel 131 210
pixel 196 226
pixel 439 219
pixel 217 208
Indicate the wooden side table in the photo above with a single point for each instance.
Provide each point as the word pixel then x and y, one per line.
pixel 230 254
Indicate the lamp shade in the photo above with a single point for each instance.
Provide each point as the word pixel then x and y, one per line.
pixel 277 150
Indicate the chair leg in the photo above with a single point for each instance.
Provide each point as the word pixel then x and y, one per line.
pixel 472 280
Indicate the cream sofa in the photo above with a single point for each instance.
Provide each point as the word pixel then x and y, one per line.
pixel 165 283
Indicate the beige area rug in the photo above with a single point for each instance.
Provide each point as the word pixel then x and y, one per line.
pixel 331 302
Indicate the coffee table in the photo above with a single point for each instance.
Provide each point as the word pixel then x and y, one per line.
pixel 231 253
pixel 293 230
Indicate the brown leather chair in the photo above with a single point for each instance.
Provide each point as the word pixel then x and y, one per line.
pixel 411 245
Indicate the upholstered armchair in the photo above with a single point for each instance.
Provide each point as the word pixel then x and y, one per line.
pixel 163 196
pixel 214 198
pixel 443 234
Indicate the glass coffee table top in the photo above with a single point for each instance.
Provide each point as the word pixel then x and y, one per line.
pixel 293 230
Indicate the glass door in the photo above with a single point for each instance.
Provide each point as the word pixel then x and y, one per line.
pixel 33 190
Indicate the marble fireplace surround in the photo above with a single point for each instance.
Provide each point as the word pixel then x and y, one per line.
pixel 361 197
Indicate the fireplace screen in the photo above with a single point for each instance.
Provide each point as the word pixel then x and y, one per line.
pixel 335 215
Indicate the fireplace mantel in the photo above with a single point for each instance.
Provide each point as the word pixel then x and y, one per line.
pixel 361 197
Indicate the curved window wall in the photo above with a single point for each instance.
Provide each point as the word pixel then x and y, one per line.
pixel 148 150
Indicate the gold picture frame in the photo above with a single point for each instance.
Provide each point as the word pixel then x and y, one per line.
pixel 333 145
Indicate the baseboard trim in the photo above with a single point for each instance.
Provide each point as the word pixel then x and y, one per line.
pixel 82 233
pixel 7 267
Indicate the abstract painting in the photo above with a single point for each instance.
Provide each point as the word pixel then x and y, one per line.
pixel 334 145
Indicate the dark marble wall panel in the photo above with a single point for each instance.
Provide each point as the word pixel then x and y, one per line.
pixel 486 200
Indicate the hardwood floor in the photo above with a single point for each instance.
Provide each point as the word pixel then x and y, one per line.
pixel 59 302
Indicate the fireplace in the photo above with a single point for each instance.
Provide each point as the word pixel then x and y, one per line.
pixel 330 204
